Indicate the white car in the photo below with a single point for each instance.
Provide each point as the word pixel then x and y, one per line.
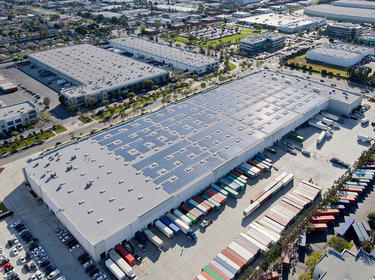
pixel 19 247
pixel 53 274
pixel 75 247
pixel 15 251
pixel 38 274
pixel 90 262
pixel 33 277
pixel 15 223
pixel 22 260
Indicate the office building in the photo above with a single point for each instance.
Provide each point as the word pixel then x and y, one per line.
pixel 343 31
pixel 17 115
pixel 105 187
pixel 263 42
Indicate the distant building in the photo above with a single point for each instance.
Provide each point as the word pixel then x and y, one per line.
pixel 94 72
pixel 343 55
pixel 346 265
pixel 6 86
pixel 354 4
pixel 341 13
pixel 175 57
pixel 300 25
pixel 243 2
pixel 369 39
pixel 259 43
pixel 17 115
pixel 341 30
pixel 241 14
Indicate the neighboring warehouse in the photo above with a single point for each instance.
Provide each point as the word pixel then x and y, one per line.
pixel 368 39
pixel 340 13
pixel 175 57
pixel 94 72
pixel 343 55
pixel 346 265
pixel 343 30
pixel 107 186
pixel 355 4
pixel 6 86
pixel 17 115
pixel 263 42
pixel 283 22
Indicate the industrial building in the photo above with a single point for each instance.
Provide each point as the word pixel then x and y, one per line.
pixel 7 86
pixel 94 72
pixel 369 39
pixel 345 265
pixel 341 13
pixel 17 115
pixel 283 22
pixel 343 55
pixel 175 57
pixel 105 187
pixel 354 4
pixel 343 30
pixel 259 43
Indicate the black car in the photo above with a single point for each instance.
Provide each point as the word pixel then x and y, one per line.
pixel 48 269
pixel 90 268
pixel 86 259
pixel 20 228
pixel 32 267
pixel 10 243
pixel 44 263
pixel 94 271
pixel 33 246
pixel 84 255
pixel 26 267
pixel 4 261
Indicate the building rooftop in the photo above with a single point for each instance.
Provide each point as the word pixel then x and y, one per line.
pixel 345 266
pixel 15 109
pixel 355 3
pixel 277 20
pixel 344 25
pixel 342 13
pixel 261 37
pixel 107 181
pixel 340 50
pixel 171 53
pixel 95 69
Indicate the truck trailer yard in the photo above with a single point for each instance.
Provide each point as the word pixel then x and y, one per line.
pixel 185 258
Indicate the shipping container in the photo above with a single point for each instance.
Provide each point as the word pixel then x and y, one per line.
pixel 227 266
pixel 329 212
pixel 125 254
pixel 235 266
pixel 320 227
pixel 266 232
pixel 163 229
pixel 204 202
pixel 254 249
pixel 218 193
pixel 234 257
pixel 116 271
pixel 275 224
pixel 312 185
pixel 176 230
pixel 212 273
pixel 251 208
pixel 140 237
pixel 270 226
pixel 323 219
pixel 260 245
pixel 210 199
pixel 257 196
pixel 289 207
pixel 200 206
pixel 358 190
pixel 154 239
pixel 270 185
pixel 207 276
pixel 292 203
pixel 218 271
pixel 286 258
pixel 297 198
pixel 184 227
pixel 200 277
pixel 289 178
pixel 231 192
pixel 223 269
pixel 182 217
pixel 244 244
pixel 194 210
pixel 259 237
pixel 344 229
pixel 215 196
pixel 216 187
pixel 277 218
pixel 265 197
pixel 122 264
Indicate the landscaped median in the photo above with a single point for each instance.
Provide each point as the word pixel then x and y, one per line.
pixel 35 138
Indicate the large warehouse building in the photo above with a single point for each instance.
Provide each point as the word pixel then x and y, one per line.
pixel 341 13
pixel 17 115
pixel 343 55
pixel 107 186
pixel 175 57
pixel 95 72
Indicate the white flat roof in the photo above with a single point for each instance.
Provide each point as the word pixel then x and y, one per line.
pixel 277 20
pixel 124 172
pixel 341 13
pixel 340 50
pixel 356 3
pixel 16 109
pixel 95 69
pixel 161 50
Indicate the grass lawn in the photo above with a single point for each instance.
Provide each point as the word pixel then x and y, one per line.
pixel 60 129
pixel 26 142
pixel 3 209
pixel 231 66
pixel 301 60
pixel 230 40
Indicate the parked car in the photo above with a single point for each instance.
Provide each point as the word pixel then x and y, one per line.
pixel 53 274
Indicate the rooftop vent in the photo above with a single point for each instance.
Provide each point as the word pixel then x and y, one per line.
pixel 99 221
pixel 130 189
pixel 140 197
pixel 90 211
pixel 111 199
pixel 81 202
pixel 121 208
pixel 70 191
pixel 121 181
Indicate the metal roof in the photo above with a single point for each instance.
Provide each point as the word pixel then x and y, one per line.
pixel 95 69
pixel 106 181
pixel 171 53
pixel 341 50
pixel 16 109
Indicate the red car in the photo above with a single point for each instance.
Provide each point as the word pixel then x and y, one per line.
pixel 5 266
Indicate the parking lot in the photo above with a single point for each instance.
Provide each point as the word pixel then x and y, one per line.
pixel 181 256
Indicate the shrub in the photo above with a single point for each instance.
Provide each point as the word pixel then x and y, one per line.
pixel 339 243
pixel 371 217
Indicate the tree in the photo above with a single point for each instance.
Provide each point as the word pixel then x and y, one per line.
pixel 305 276
pixel 46 102
pixel 91 101
pixel 203 85
pixel 105 102
pixel 14 133
pixel 371 218
pixel 339 243
pixel 312 260
pixel 147 84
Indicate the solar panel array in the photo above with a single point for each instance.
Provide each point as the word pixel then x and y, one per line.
pixel 182 142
